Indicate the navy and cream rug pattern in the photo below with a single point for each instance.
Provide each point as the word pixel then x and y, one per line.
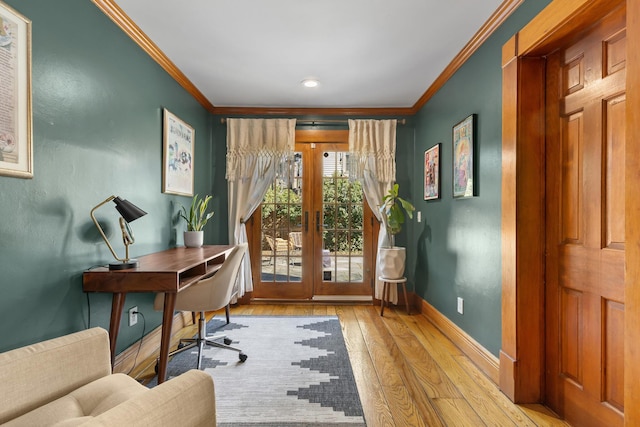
pixel 297 373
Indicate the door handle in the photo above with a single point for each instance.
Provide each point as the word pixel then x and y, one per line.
pixel 306 221
pixel 318 221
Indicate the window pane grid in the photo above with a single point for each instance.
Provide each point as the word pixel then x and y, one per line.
pixel 282 215
pixel 343 221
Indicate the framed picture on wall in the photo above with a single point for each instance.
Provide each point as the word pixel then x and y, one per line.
pixel 464 158
pixel 432 173
pixel 16 143
pixel 178 142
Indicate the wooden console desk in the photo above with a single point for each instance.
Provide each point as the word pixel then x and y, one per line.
pixel 168 271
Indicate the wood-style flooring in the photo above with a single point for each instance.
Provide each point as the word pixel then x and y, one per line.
pixel 408 373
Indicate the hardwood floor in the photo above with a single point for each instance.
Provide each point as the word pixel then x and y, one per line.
pixel 408 373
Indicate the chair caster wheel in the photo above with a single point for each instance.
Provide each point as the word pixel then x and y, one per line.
pixel 227 341
pixel 242 357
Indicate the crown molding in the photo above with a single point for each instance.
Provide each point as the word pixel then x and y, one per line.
pixel 122 20
pixel 293 111
pixel 493 23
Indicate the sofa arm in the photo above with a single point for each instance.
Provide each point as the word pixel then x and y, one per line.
pixel 187 400
pixel 37 374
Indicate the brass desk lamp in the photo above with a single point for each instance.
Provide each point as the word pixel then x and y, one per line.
pixel 129 212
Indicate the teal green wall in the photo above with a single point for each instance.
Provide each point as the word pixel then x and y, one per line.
pixel 97 116
pixel 455 251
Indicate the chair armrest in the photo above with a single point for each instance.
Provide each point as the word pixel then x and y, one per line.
pixel 187 400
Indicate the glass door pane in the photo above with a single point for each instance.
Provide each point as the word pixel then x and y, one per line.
pixel 282 266
pixel 342 207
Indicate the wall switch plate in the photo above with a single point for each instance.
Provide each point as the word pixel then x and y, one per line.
pixel 133 315
pixel 460 305
pixel 419 216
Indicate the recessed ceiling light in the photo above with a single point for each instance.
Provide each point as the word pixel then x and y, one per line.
pixel 310 83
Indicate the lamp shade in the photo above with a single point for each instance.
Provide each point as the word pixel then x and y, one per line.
pixel 128 210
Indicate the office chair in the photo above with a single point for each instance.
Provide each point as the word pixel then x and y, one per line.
pixel 209 294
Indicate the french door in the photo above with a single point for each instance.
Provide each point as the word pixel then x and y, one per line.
pixel 312 236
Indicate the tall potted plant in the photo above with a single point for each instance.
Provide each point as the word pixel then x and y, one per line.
pixel 392 258
pixel 196 219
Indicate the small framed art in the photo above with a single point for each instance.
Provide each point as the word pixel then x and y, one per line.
pixel 16 142
pixel 432 173
pixel 464 158
pixel 178 142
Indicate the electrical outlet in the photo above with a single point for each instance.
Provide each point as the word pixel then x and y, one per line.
pixel 460 305
pixel 133 315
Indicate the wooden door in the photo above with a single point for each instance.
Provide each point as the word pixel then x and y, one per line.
pixel 585 235
pixel 343 228
pixel 281 260
pixel 313 236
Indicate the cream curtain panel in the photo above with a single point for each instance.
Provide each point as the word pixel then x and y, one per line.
pixel 372 161
pixel 257 150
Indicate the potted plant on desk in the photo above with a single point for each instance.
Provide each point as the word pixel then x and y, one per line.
pixel 196 219
pixel 392 258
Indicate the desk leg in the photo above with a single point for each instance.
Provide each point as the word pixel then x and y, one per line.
pixel 165 342
pixel 114 325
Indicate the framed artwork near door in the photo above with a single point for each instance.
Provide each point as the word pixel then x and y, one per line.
pixel 464 158
pixel 432 173
pixel 16 143
pixel 178 143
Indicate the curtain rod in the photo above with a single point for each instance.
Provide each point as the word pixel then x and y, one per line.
pixel 322 122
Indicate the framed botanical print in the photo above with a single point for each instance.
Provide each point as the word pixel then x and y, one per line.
pixel 464 158
pixel 432 173
pixel 178 142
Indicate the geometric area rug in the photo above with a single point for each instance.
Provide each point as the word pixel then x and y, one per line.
pixel 297 373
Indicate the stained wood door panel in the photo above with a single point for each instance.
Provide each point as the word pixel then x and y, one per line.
pixel 572 178
pixel 613 374
pixel 585 226
pixel 614 179
pixel 616 52
pixel 570 337
pixel 592 270
pixel 576 101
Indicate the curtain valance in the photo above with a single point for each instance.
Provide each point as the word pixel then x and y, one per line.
pixel 373 142
pixel 256 145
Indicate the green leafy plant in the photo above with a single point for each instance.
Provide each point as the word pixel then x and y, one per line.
pixel 197 215
pixel 392 210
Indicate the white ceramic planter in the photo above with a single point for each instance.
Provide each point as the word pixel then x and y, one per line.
pixel 392 262
pixel 193 239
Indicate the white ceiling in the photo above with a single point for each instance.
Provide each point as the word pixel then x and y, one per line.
pixel 365 53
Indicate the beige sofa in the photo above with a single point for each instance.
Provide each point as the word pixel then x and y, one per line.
pixel 67 381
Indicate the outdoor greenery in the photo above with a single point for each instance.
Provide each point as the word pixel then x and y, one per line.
pixel 281 211
pixel 343 210
pixel 343 201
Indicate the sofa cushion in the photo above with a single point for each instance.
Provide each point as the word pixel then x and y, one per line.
pixel 187 400
pixel 87 401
